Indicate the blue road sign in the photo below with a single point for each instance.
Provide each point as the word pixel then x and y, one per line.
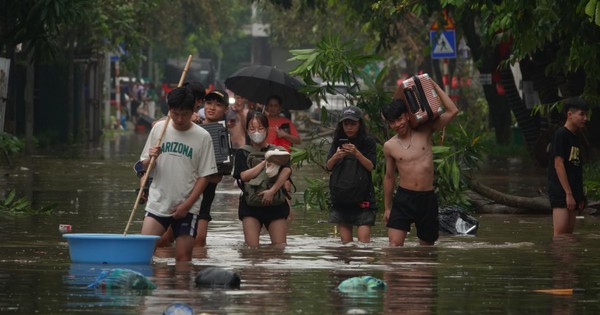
pixel 118 52
pixel 443 44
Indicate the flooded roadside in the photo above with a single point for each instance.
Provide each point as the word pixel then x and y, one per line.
pixel 492 273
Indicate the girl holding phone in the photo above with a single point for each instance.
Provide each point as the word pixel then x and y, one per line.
pixel 351 140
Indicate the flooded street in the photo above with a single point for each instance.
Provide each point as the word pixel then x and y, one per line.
pixel 494 272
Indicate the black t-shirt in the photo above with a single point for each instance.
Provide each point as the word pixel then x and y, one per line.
pixel 567 145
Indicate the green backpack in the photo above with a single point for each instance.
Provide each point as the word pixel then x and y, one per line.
pixel 262 182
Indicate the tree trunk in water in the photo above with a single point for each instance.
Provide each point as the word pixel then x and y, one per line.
pixel 536 204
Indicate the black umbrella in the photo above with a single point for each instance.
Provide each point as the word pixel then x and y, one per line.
pixel 257 83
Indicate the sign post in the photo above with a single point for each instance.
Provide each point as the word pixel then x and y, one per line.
pixel 443 46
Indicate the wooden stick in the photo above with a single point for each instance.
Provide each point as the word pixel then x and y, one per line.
pixel 561 291
pixel 151 165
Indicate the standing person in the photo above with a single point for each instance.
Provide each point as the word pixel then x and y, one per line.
pixel 351 141
pixel 273 217
pixel 184 161
pixel 282 131
pixel 409 153
pixel 565 172
pixel 151 98
pixel 215 105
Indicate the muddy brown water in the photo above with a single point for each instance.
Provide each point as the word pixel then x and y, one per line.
pixel 491 273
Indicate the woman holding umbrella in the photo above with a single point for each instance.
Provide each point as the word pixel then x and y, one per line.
pixel 282 131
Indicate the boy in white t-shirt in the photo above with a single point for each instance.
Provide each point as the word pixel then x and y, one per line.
pixel 184 159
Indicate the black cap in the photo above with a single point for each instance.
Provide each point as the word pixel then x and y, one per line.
pixel 352 113
pixel 219 95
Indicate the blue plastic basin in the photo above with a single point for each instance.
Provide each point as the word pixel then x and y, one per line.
pixel 111 248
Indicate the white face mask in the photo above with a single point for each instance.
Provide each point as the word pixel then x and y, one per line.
pixel 257 137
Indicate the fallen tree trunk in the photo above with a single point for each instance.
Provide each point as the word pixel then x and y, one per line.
pixel 511 203
pixel 532 203
pixel 489 200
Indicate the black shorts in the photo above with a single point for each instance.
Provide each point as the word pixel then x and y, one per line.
pixel 354 217
pixel 560 201
pixel 418 207
pixel 264 215
pixel 185 226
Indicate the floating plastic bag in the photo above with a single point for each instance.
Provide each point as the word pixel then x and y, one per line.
pixel 456 220
pixel 362 284
pixel 122 279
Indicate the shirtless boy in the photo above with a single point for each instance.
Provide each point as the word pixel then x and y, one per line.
pixel 409 154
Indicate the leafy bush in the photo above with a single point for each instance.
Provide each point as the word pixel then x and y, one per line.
pixel 11 144
pixel 15 205
pixel 591 182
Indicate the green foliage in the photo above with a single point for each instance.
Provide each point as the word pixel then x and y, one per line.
pixel 209 29
pixel 319 63
pixel 316 193
pixel 592 9
pixel 11 144
pixel 37 23
pixel 14 205
pixel 591 182
pixel 455 162
pixel 557 33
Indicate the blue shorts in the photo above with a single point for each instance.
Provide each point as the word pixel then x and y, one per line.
pixel 185 226
pixel 419 207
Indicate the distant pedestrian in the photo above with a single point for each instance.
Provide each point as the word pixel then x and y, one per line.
pixel 565 171
pixel 282 131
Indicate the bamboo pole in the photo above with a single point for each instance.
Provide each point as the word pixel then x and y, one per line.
pixel 152 159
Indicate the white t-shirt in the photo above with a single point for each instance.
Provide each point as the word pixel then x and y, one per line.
pixel 185 156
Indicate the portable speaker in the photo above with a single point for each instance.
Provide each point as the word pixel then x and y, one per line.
pixel 424 104
pixel 222 145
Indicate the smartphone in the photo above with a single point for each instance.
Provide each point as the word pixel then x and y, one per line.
pixel 285 127
pixel 343 141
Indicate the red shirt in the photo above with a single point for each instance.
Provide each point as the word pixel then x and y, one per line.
pixel 274 124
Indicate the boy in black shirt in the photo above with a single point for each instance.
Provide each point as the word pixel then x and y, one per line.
pixel 565 174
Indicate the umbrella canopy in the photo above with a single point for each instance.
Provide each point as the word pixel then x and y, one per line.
pixel 257 83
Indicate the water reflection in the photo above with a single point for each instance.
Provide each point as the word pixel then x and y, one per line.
pixel 562 249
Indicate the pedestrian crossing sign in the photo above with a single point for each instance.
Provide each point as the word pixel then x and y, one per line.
pixel 443 44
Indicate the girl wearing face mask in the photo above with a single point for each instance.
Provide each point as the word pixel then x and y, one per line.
pixel 273 217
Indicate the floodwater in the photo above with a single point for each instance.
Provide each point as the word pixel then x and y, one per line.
pixel 494 272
